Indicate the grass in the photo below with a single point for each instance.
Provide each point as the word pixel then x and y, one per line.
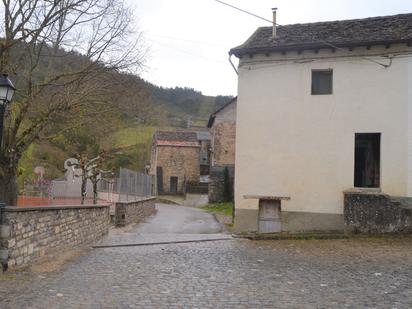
pixel 225 209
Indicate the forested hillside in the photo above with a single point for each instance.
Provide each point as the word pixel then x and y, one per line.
pixel 126 131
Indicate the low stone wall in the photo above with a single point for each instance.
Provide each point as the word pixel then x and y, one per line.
pixel 377 213
pixel 134 211
pixel 28 233
pixel 217 182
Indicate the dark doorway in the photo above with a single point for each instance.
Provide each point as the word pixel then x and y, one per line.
pixel 159 177
pixel 173 184
pixel 367 160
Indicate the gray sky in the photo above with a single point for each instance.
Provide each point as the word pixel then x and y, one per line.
pixel 189 40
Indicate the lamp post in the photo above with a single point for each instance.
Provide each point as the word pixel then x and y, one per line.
pixel 6 94
pixel 7 90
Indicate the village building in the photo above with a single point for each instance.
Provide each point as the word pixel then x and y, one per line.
pixel 222 126
pixel 323 109
pixel 176 161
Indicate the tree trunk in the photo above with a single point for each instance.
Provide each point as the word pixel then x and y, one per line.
pixel 84 188
pixel 8 187
pixel 94 192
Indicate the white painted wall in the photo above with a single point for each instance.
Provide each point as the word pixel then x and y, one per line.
pixel 292 143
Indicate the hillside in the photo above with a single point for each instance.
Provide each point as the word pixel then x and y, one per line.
pixel 127 132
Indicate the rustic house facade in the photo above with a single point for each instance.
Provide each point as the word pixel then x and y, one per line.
pixel 174 161
pixel 323 109
pixel 222 126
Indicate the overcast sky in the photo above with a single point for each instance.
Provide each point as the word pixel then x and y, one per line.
pixel 189 40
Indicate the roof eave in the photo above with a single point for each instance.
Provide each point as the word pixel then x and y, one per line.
pixel 239 52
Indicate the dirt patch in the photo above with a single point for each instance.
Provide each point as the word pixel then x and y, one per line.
pixel 54 262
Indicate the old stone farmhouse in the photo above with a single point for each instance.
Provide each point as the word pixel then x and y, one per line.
pixel 222 125
pixel 323 108
pixel 176 159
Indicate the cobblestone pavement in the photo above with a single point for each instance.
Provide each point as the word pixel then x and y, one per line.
pixel 355 273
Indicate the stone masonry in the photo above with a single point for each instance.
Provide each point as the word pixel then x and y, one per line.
pixel 181 162
pixel 223 140
pixel 377 213
pixel 134 211
pixel 29 233
pixel 217 182
pixel 222 124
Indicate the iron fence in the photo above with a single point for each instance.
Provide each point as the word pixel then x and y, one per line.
pixel 130 185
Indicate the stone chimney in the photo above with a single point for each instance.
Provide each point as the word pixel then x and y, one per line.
pixel 274 23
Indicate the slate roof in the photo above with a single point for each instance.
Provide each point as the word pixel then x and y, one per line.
pixel 381 30
pixel 176 138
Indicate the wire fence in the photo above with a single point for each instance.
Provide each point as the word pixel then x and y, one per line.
pixel 130 185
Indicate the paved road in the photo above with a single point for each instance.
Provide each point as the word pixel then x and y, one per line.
pixel 360 273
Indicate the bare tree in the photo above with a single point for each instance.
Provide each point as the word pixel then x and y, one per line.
pixel 63 56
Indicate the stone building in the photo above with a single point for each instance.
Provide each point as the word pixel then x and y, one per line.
pixel 174 161
pixel 323 109
pixel 222 125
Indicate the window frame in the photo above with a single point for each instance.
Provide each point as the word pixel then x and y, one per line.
pixel 331 81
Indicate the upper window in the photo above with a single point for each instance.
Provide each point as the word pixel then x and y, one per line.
pixel 322 81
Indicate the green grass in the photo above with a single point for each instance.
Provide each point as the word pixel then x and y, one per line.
pixel 132 136
pixel 225 209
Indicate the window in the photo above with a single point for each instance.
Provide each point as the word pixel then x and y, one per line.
pixel 367 160
pixel 322 82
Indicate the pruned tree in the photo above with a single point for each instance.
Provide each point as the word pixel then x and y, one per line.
pixel 55 95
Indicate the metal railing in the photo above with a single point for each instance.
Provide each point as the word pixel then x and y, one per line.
pixel 130 185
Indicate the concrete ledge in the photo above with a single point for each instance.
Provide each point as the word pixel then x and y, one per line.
pixel 293 236
pixel 246 220
pixel 57 207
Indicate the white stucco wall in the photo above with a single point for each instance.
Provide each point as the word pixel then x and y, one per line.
pixel 292 143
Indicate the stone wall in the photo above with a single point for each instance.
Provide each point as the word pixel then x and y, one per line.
pixel 29 233
pixel 134 211
pixel 217 182
pixel 223 143
pixel 180 162
pixel 377 213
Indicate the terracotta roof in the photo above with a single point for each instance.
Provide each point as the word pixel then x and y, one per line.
pixel 176 138
pixel 213 116
pixel 382 30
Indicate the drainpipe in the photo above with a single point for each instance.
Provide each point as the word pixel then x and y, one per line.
pixel 233 66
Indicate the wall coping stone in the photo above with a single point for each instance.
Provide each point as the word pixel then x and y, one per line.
pixel 374 191
pixel 137 201
pixel 399 201
pixel 59 207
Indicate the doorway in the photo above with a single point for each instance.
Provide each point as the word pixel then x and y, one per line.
pixel 269 216
pixel 367 160
pixel 173 184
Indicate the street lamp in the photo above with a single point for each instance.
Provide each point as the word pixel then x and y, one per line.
pixel 6 95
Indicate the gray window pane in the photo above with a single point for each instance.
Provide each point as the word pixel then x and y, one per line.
pixel 322 82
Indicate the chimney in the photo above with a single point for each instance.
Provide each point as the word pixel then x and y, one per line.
pixel 274 23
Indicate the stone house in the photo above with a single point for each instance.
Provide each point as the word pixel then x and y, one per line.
pixel 222 126
pixel 204 153
pixel 323 109
pixel 174 161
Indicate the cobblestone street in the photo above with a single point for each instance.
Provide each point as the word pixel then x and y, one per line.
pixel 356 273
